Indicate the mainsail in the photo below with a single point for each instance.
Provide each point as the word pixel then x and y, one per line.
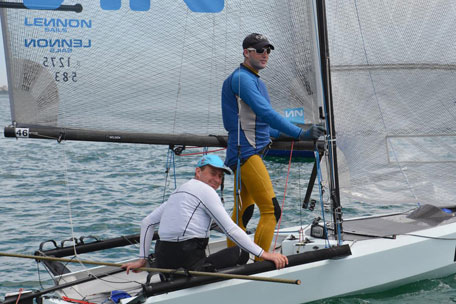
pixel 152 69
pixel 393 72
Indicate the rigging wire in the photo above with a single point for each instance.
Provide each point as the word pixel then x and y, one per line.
pixel 39 275
pixel 211 75
pixel 166 175
pixel 317 162
pixel 300 196
pixel 428 237
pixel 179 82
pixel 301 229
pixel 61 279
pixel 237 197
pixel 169 156
pixel 238 182
pixel 284 195
pixel 67 195
pixel 204 152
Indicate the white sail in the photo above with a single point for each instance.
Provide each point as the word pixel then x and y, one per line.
pixel 152 69
pixel 157 67
pixel 393 71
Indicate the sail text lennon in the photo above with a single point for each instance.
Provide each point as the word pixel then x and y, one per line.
pixel 58 45
pixel 70 43
pixel 57 22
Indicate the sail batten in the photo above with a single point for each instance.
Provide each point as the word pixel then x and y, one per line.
pixel 404 66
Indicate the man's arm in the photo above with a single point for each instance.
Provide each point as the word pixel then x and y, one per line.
pixel 145 238
pixel 214 207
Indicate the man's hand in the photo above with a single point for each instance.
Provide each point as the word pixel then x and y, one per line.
pixel 314 132
pixel 279 260
pixel 134 265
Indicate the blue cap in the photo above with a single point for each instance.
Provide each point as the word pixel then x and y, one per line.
pixel 214 161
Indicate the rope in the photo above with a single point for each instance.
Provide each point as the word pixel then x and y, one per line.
pixel 237 197
pixel 284 195
pixel 166 173
pixel 204 152
pixel 317 162
pixel 67 194
pixel 19 295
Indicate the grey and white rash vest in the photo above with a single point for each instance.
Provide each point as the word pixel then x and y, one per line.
pixel 187 214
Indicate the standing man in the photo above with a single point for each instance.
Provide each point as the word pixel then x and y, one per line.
pixel 185 220
pixel 250 121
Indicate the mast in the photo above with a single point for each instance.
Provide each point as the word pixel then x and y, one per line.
pixel 329 115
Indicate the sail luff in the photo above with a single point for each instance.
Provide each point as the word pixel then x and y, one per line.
pixel 3 20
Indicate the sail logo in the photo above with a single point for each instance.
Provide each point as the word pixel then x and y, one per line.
pixel 58 45
pixel 58 25
pixel 295 115
pixel 197 6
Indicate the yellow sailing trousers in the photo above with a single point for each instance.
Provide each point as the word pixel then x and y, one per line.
pixel 256 188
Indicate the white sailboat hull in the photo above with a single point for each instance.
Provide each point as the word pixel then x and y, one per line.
pixel 375 264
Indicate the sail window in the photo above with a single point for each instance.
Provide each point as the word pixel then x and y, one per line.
pixel 421 149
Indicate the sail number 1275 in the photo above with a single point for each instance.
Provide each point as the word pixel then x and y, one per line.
pixel 57 62
pixel 61 62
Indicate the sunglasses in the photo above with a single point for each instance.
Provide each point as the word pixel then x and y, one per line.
pixel 260 51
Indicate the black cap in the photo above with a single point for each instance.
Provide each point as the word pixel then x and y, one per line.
pixel 256 41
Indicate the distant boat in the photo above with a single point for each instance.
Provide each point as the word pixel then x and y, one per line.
pixel 379 75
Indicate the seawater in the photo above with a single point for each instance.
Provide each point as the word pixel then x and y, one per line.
pixel 52 191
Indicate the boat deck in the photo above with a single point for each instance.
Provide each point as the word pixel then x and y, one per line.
pixel 389 226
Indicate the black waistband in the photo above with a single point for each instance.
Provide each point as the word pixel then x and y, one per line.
pixel 200 242
pixel 261 153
